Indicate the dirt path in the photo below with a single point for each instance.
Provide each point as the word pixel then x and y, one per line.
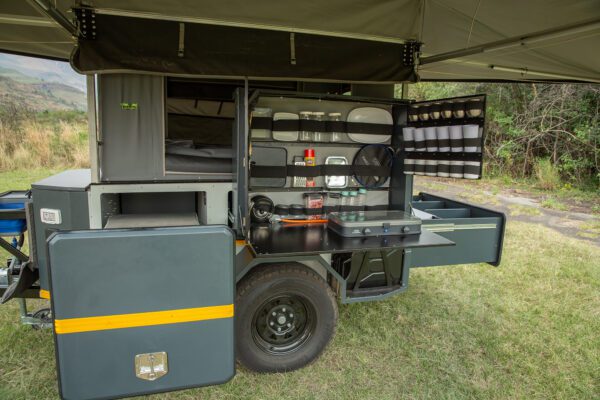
pixel 518 205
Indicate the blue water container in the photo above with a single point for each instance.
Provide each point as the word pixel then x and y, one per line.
pixel 12 227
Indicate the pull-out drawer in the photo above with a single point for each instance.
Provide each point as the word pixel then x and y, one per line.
pixel 477 232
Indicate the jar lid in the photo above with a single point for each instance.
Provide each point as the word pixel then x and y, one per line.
pixel 261 109
pixel 318 113
pixel 282 209
pixel 335 114
pixel 362 191
pixel 344 193
pixel 353 193
pixel 296 209
pixel 309 152
pixel 305 113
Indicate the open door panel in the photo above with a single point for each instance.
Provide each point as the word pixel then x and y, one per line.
pixel 140 311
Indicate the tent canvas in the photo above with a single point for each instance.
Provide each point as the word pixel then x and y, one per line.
pixel 377 27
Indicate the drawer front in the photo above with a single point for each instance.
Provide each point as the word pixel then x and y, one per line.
pixel 142 311
pixel 478 233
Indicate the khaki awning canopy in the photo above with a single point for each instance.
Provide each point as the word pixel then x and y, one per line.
pixel 348 40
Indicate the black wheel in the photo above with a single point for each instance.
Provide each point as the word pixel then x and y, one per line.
pixel 286 315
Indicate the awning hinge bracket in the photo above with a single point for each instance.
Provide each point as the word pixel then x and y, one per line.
pixel 86 22
pixel 410 53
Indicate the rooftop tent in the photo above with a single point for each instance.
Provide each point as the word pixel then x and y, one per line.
pixel 348 40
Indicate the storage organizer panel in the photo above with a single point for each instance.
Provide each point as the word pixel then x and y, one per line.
pixel 296 151
pixel 445 138
pixel 360 126
pixel 335 138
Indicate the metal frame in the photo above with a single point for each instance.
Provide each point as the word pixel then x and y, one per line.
pixel 514 41
pixel 92 106
pixel 521 40
pixel 49 9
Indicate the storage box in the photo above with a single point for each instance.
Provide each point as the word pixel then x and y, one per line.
pixel 374 223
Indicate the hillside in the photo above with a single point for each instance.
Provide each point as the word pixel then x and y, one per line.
pixel 40 85
pixel 42 70
pixel 40 96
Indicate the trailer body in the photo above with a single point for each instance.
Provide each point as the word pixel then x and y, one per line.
pixel 141 254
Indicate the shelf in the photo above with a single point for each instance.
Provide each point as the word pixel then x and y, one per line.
pixel 312 189
pixel 278 240
pixel 307 144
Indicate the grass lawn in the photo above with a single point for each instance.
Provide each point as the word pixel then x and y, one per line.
pixel 528 329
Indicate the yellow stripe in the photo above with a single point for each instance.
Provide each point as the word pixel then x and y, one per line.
pixel 240 242
pixel 88 324
pixel 44 294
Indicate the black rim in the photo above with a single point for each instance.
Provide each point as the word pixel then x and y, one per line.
pixel 283 323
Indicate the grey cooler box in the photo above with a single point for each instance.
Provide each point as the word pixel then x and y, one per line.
pixel 374 223
pixel 141 311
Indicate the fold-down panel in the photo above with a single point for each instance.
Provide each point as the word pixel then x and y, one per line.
pixel 141 311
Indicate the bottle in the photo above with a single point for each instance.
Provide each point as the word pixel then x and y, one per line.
pixel 344 203
pixel 335 136
pixel 309 161
pixel 332 202
pixel 362 201
pixel 352 202
pixel 319 134
pixel 306 135
pixel 353 199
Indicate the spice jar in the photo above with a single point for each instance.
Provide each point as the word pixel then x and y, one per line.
pixel 306 135
pixel 336 134
pixel 319 134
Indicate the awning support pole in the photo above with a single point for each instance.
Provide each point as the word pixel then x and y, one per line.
pixel 48 8
pixel 520 40
pixel 526 71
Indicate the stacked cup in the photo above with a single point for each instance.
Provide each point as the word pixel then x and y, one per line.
pixel 456 146
pixel 408 134
pixel 431 144
pixel 471 135
pixel 443 137
pixel 420 145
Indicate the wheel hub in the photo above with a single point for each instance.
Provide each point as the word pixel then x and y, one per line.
pixel 280 319
pixel 283 323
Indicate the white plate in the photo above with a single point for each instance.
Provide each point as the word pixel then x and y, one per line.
pixel 285 136
pixel 370 115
